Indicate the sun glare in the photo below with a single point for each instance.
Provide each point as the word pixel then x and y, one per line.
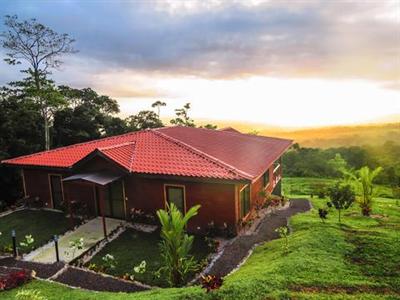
pixel 281 102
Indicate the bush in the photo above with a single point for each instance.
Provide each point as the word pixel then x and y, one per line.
pixel 322 212
pixel 139 216
pixel 211 282
pixel 14 279
pixel 342 196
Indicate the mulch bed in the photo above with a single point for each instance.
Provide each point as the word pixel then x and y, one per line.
pixel 42 270
pixel 235 252
pixel 97 282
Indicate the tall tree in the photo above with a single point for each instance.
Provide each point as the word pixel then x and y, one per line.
pixel 87 117
pixel 41 48
pixel 157 105
pixel 182 117
pixel 143 120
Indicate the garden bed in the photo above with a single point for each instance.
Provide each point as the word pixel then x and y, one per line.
pixel 93 281
pixel 41 224
pixel 42 270
pixel 132 247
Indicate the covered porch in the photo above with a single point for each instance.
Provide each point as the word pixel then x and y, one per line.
pixel 98 193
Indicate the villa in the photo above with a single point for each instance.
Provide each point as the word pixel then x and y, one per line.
pixel 222 170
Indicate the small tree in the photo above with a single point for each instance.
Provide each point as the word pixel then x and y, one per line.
pixel 182 117
pixel 176 244
pixel 342 196
pixel 157 105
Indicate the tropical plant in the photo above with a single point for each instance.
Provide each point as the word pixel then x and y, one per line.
pixel 27 242
pixel 211 282
pixel 365 177
pixel 342 196
pixel 109 262
pixel 74 245
pixel 284 233
pixel 176 244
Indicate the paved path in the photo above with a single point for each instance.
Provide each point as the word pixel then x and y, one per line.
pixel 91 232
pixel 235 252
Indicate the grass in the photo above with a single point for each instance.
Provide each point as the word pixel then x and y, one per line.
pixel 357 259
pixel 306 186
pixel 133 246
pixel 41 224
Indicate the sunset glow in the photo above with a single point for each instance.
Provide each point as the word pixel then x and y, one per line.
pixel 281 63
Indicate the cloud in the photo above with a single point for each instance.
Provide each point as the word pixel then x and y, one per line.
pixel 225 40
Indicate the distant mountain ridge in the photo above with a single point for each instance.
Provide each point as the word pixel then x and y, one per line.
pixel 323 137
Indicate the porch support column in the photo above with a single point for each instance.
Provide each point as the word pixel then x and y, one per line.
pixel 101 208
pixel 71 217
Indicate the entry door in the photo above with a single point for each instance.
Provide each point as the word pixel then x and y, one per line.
pixel 176 195
pixel 116 208
pixel 56 191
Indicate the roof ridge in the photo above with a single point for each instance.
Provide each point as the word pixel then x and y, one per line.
pixel 237 132
pixel 74 145
pixel 116 145
pixel 213 159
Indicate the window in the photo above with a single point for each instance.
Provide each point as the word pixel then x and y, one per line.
pixel 245 201
pixel 266 178
pixel 176 195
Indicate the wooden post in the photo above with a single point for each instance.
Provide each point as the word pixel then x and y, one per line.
pixel 101 204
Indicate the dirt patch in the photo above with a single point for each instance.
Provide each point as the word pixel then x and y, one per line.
pixel 96 282
pixel 42 270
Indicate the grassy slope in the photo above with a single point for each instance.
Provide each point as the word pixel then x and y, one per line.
pixel 355 260
pixel 45 225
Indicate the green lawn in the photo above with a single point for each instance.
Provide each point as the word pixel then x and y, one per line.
pixel 41 224
pixel 358 259
pixel 133 246
pixel 304 186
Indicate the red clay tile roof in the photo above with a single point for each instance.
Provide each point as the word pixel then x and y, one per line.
pixel 180 151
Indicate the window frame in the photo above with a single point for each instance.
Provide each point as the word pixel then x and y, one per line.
pixel 181 186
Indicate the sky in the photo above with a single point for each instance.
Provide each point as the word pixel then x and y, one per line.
pixel 281 63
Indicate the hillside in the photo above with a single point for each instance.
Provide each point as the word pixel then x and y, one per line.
pixel 324 137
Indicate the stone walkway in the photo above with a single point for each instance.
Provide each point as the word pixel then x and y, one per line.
pixel 91 232
pixel 235 252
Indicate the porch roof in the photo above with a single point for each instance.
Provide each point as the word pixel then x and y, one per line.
pixel 100 177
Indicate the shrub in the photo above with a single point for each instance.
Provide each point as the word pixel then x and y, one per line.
pixel 139 216
pixel 342 197
pixel 284 233
pixel 176 244
pixel 74 245
pixel 14 279
pixel 211 282
pixel 29 295
pixel 322 212
pixel 26 243
pixel 109 262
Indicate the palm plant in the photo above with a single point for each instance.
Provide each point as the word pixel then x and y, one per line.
pixel 366 177
pixel 176 244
